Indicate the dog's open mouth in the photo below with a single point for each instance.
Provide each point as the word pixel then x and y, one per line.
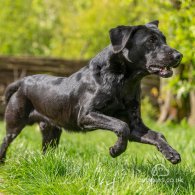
pixel 161 71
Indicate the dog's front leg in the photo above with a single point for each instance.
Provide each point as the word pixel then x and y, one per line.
pixel 141 133
pixel 95 120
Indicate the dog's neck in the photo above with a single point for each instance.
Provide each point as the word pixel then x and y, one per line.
pixel 129 69
pixel 116 63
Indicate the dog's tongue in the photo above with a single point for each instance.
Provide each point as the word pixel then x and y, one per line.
pixel 165 72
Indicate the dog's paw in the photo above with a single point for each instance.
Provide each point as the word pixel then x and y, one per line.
pixel 172 155
pixel 113 152
pixel 116 151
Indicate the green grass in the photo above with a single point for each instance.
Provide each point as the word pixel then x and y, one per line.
pixel 82 165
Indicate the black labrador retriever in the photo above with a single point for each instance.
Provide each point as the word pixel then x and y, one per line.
pixel 105 94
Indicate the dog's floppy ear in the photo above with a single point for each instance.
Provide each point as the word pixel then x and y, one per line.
pixel 153 24
pixel 119 37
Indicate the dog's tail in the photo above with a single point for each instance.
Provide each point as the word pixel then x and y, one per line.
pixel 11 89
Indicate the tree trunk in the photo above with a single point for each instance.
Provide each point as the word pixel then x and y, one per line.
pixel 165 103
pixel 191 119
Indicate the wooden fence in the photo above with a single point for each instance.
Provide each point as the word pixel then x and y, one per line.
pixel 13 68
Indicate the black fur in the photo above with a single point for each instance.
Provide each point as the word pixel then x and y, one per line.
pixel 103 95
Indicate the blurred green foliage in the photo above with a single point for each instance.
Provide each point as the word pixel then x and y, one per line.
pixel 148 111
pixel 78 29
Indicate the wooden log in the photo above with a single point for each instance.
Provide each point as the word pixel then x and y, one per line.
pixel 41 64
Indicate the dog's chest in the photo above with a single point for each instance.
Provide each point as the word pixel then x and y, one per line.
pixel 114 100
pixel 114 95
pixel 112 106
pixel 124 96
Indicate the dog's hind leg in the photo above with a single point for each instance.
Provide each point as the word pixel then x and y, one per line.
pixel 50 132
pixel 16 114
pixel 50 135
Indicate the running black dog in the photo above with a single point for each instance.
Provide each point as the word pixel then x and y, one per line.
pixel 105 94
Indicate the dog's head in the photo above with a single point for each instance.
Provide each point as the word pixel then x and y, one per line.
pixel 145 47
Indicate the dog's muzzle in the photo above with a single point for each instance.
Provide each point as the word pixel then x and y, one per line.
pixel 165 70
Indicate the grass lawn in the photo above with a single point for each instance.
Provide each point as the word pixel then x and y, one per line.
pixel 82 165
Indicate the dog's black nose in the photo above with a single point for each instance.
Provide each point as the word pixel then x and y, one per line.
pixel 177 56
